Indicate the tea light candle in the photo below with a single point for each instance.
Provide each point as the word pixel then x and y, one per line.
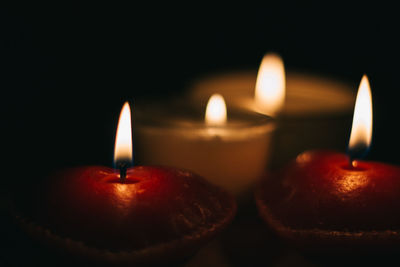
pixel 230 149
pixel 312 111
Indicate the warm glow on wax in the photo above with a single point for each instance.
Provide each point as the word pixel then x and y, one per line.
pixel 270 85
pixel 123 139
pixel 361 131
pixel 216 110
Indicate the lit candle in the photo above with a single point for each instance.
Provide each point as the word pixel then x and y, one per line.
pixel 328 198
pixel 312 111
pixel 134 215
pixel 230 149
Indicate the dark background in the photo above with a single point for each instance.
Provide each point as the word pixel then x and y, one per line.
pixel 65 70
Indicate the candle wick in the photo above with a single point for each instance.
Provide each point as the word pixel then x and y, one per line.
pixel 350 162
pixel 122 171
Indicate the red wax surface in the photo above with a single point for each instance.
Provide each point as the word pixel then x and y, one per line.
pixel 155 206
pixel 322 192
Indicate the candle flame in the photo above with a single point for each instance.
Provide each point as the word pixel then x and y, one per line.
pixel 270 85
pixel 123 139
pixel 361 131
pixel 216 110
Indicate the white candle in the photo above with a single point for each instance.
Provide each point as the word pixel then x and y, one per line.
pixel 231 152
pixel 314 111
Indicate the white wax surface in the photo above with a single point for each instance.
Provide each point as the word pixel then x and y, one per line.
pixel 306 95
pixel 234 156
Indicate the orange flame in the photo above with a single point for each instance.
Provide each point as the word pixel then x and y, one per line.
pixel 123 139
pixel 270 84
pixel 361 131
pixel 216 110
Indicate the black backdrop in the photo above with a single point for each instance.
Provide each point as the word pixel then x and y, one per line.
pixel 66 69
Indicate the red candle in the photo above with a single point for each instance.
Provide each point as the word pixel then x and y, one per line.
pixel 330 198
pixel 132 215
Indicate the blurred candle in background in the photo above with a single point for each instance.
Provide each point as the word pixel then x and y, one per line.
pixel 311 111
pixel 230 148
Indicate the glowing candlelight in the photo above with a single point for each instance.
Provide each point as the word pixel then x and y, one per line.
pixel 270 87
pixel 216 110
pixel 361 131
pixel 123 142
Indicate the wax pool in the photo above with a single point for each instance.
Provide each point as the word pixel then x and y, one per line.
pixel 234 155
pixel 316 113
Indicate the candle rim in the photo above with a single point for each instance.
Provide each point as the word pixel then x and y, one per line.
pixel 239 119
pixel 199 130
